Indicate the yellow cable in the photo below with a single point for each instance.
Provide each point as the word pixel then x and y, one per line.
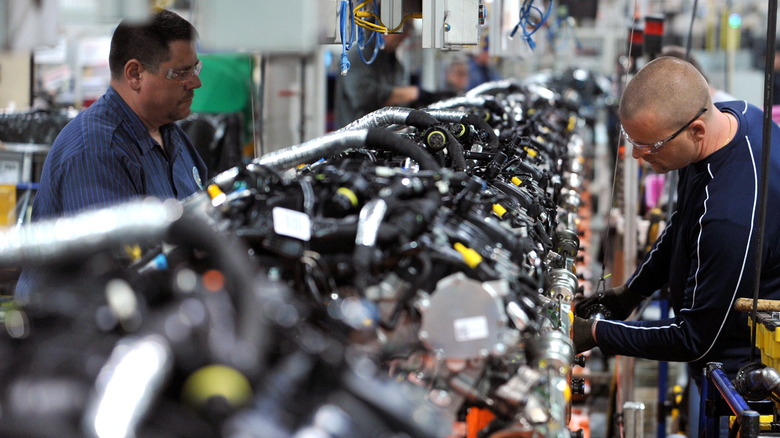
pixel 161 4
pixel 362 5
pixel 380 27
pixel 357 13
pixel 406 17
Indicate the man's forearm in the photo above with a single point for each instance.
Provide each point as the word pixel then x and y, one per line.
pixel 403 95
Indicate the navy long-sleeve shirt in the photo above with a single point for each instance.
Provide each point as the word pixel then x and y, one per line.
pixel 706 255
pixel 105 156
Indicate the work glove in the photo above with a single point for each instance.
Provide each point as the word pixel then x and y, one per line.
pixel 582 335
pixel 616 303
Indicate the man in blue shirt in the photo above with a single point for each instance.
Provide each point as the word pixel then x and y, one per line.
pixel 481 69
pixel 706 255
pixel 126 145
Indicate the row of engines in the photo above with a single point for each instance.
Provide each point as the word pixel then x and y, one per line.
pixel 412 271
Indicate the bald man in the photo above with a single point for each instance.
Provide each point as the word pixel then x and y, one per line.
pixel 706 255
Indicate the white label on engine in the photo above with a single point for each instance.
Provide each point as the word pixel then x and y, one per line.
pixel 468 329
pixel 292 223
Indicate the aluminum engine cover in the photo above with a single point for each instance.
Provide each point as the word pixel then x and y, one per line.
pixel 464 318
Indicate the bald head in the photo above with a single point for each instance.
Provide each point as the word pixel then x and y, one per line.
pixel 669 87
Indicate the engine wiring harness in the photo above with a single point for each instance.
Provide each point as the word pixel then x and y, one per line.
pixel 409 272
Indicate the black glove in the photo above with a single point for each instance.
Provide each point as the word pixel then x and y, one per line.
pixel 616 303
pixel 582 335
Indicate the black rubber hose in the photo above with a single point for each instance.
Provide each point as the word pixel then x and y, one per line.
pixel 455 149
pixel 385 139
pixel 421 119
pixel 231 256
pixel 475 120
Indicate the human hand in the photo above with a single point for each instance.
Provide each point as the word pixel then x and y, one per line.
pixel 616 303
pixel 582 335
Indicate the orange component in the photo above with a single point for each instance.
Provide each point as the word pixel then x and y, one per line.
pixel 213 280
pixel 580 421
pixel 476 420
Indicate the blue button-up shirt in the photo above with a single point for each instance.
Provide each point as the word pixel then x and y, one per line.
pixel 106 156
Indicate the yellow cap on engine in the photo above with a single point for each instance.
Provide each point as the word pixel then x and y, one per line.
pixel 349 194
pixel 470 256
pixel 133 251
pixel 499 210
pixel 217 381
pixel 213 190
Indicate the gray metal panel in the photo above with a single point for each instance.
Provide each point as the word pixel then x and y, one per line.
pixel 264 25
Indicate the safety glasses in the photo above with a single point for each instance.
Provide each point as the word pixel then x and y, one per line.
pixel 183 75
pixel 653 148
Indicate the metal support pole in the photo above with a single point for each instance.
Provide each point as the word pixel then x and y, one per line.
pixel 663 377
pixel 748 419
pixel 625 364
pixel 633 419
pixel 703 419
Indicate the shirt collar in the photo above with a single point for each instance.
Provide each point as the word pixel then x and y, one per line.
pixel 133 123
